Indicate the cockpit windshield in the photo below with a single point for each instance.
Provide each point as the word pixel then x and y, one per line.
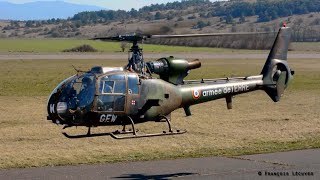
pixel 79 92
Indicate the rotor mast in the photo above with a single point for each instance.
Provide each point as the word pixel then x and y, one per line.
pixel 135 54
pixel 135 58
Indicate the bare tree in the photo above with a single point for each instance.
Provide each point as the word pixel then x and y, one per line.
pixel 123 45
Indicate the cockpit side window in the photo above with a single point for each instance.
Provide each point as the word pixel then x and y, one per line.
pixel 87 90
pixel 106 87
pixel 112 89
pixel 117 77
pixel 119 103
pixel 113 77
pixel 105 103
pixel 133 87
pixel 113 84
pixel 120 87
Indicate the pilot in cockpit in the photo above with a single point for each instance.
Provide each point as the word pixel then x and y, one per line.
pixel 85 94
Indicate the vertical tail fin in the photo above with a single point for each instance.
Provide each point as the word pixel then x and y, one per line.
pixel 276 72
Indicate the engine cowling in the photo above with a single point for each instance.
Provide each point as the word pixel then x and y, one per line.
pixel 173 70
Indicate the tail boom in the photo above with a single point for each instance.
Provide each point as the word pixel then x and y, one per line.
pixel 196 93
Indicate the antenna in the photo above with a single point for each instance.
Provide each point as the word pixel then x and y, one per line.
pixel 77 70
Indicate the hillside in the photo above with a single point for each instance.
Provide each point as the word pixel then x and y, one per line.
pixel 227 10
pixel 42 10
pixel 193 16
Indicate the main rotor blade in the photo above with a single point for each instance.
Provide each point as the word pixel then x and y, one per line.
pixel 208 34
pixel 140 37
pixel 130 38
pixel 101 38
pixel 115 38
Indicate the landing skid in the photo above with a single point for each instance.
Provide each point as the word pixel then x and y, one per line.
pixel 164 133
pixel 125 134
pixel 84 135
pixel 96 134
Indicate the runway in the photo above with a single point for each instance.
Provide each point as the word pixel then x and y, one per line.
pixel 303 164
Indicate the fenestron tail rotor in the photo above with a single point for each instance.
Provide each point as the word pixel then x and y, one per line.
pixel 276 72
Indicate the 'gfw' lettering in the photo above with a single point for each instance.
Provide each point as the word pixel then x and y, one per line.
pixel 108 118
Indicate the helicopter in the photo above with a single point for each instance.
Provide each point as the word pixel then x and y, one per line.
pixel 129 95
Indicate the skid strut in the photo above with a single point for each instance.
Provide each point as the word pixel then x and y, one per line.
pixel 135 135
pixel 125 134
pixel 117 132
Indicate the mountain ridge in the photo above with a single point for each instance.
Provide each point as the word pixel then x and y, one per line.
pixel 41 10
pixel 185 17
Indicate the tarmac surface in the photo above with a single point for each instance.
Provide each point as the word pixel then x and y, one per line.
pixel 186 55
pixel 303 164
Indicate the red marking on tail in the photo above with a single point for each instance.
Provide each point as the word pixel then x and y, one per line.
pixel 284 24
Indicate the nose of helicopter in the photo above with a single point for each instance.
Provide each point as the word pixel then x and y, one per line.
pixel 57 111
pixel 71 99
pixel 66 110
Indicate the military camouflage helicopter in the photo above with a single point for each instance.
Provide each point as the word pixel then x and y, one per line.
pixel 129 95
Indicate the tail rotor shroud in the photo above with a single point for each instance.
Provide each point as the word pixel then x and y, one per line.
pixel 276 72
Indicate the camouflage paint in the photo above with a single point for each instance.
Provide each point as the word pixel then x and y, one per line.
pixel 162 96
pixel 204 92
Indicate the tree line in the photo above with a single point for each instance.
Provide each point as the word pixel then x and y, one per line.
pixel 266 10
pixel 186 9
pixel 227 10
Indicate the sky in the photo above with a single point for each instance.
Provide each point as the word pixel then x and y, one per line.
pixel 109 4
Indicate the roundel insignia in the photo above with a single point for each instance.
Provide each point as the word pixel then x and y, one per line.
pixel 196 94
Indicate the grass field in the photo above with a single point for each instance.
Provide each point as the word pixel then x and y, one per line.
pixel 58 45
pixel 255 125
pixel 306 46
